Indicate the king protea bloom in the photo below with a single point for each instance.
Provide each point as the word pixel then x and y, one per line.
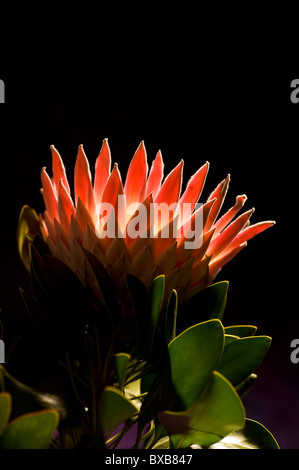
pixel 71 222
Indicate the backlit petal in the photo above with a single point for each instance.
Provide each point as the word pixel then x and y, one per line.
pixel 194 188
pixel 83 217
pixel 155 175
pixel 171 188
pixel 230 214
pixel 250 232
pixel 113 187
pixel 65 207
pixel 135 184
pixel 217 263
pixel 219 193
pixel 58 170
pixel 227 236
pixel 49 195
pixel 82 182
pixel 102 171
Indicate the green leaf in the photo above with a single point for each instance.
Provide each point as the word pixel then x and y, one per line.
pixel 240 330
pixel 114 408
pixel 5 410
pixel 215 297
pixel 209 303
pixel 229 339
pixel 121 362
pixel 217 412
pixel 193 355
pixel 240 358
pixel 27 399
pixel 157 294
pixel 253 436
pixel 30 431
pixel 29 225
pixel 246 385
pixel 171 316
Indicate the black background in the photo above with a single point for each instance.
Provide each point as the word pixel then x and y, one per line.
pixel 241 120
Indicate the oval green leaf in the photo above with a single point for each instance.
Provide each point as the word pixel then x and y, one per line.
pixel 30 431
pixel 253 436
pixel 241 357
pixel 240 330
pixel 157 294
pixel 218 412
pixel 121 362
pixel 194 354
pixel 5 410
pixel 171 316
pixel 114 408
pixel 29 225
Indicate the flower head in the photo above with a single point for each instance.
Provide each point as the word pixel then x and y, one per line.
pixel 104 216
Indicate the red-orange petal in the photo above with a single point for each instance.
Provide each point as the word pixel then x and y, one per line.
pixel 200 252
pixel 135 184
pixel 165 237
pixel 83 217
pixel 194 188
pixel 230 214
pixel 227 236
pixel 58 170
pixel 113 188
pixel 50 225
pixel 82 182
pixel 75 232
pixel 155 175
pixel 65 207
pixel 199 271
pixel 49 195
pixel 170 190
pixel 144 220
pixel 250 232
pixel 217 263
pixel 102 171
pixel 219 193
pixel 199 217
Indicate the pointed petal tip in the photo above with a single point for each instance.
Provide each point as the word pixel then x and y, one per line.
pixel 105 142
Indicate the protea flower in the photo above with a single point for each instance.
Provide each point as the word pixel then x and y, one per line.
pixel 72 222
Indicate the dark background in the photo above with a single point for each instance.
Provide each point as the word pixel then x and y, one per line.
pixel 242 122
